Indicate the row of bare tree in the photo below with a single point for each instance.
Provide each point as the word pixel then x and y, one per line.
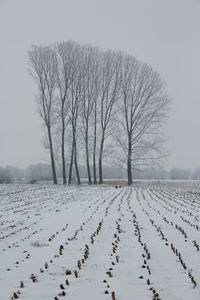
pixel 91 99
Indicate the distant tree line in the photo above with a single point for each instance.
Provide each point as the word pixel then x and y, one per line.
pixel 42 172
pixel 98 105
pixel 6 176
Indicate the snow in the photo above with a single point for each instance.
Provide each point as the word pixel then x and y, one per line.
pixel 131 242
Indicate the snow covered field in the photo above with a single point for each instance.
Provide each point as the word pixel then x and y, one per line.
pixel 93 243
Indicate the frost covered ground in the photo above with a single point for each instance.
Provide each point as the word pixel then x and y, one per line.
pixel 93 243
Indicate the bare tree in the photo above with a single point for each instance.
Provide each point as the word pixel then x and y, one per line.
pixel 110 80
pixel 43 63
pixel 144 109
pixel 89 101
pixel 65 75
pixel 74 108
pixel 95 121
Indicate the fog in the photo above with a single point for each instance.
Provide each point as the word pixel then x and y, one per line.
pixel 164 34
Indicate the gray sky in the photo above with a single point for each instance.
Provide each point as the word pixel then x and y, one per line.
pixel 163 33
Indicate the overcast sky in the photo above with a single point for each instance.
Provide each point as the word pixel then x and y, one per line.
pixel 163 33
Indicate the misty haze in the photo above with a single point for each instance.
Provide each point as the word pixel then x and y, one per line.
pixel 99 156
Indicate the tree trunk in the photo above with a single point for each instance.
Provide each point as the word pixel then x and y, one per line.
pixel 100 170
pixel 100 160
pixel 52 156
pixel 71 164
pixel 94 168
pixel 94 149
pixel 87 158
pixel 129 170
pixel 63 150
pixel 76 164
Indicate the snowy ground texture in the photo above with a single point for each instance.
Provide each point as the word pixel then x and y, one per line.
pixel 93 243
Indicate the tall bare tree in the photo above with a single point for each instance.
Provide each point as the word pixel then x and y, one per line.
pixel 74 108
pixel 110 81
pixel 66 53
pixel 144 109
pixel 89 96
pixel 95 122
pixel 43 64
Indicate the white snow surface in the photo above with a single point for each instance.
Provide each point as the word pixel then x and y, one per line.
pixel 140 242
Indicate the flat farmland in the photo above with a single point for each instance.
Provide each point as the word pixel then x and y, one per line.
pixel 103 242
